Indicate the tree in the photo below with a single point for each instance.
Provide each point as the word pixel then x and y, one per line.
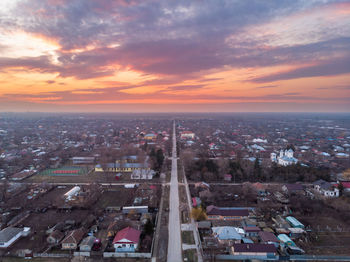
pixel 198 214
pixel 160 158
pixel 257 168
pixel 148 227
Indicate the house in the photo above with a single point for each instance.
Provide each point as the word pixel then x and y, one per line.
pixel 268 238
pixel 226 213
pixel 325 188
pixel 259 188
pixel 10 235
pixel 204 227
pixel 150 136
pixel 72 239
pixel 87 243
pixel 226 234
pixel 55 237
pixel 295 232
pixel 127 240
pixel 227 177
pixel 252 231
pixel 293 188
pixel 261 250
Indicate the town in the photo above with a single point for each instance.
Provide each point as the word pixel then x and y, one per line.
pixel 167 187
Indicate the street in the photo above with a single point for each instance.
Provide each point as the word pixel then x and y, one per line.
pixel 174 243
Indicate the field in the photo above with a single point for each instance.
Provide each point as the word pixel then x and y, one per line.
pixel 116 196
pixel 65 171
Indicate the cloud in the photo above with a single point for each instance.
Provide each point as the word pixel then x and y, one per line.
pixel 325 68
pixel 185 87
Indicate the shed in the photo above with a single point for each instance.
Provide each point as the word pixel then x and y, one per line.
pixel 285 240
pixel 87 243
pixel 294 222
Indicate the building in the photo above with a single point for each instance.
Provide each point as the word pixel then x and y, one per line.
pixel 285 158
pixel 71 194
pixel 326 189
pixel 226 234
pixel 135 209
pixel 144 174
pixel 285 240
pixel 268 238
pixel 83 160
pixel 293 188
pixel 226 213
pixel 72 239
pixel 87 243
pixel 127 240
pixel 187 135
pixel 260 250
pixel 251 231
pixel 150 136
pixel 10 235
pixel 294 222
pixel 120 167
pixel 55 237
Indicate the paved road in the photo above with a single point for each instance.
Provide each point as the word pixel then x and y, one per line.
pixel 174 243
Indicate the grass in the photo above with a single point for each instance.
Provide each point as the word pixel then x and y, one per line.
pixel 187 237
pixel 190 255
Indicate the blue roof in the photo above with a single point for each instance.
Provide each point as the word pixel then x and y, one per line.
pixel 294 222
pixel 225 233
pixel 284 238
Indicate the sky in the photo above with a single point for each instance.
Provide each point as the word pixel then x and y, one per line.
pixel 174 56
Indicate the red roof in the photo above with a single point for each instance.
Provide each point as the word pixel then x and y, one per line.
pixel 128 233
pixel 346 184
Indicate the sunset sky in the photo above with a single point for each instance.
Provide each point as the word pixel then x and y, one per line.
pixel 164 56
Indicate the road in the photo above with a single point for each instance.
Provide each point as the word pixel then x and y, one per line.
pixel 174 243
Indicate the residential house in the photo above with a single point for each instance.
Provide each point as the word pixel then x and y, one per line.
pixel 252 231
pixel 226 213
pixel 55 237
pixel 127 240
pixel 260 250
pixel 325 188
pixel 226 235
pixel 72 239
pixel 293 189
pixel 268 238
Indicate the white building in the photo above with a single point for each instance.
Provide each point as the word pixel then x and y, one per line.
pixel 143 174
pixel 326 189
pixel 285 158
pixel 72 193
pixel 9 235
pixel 187 135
